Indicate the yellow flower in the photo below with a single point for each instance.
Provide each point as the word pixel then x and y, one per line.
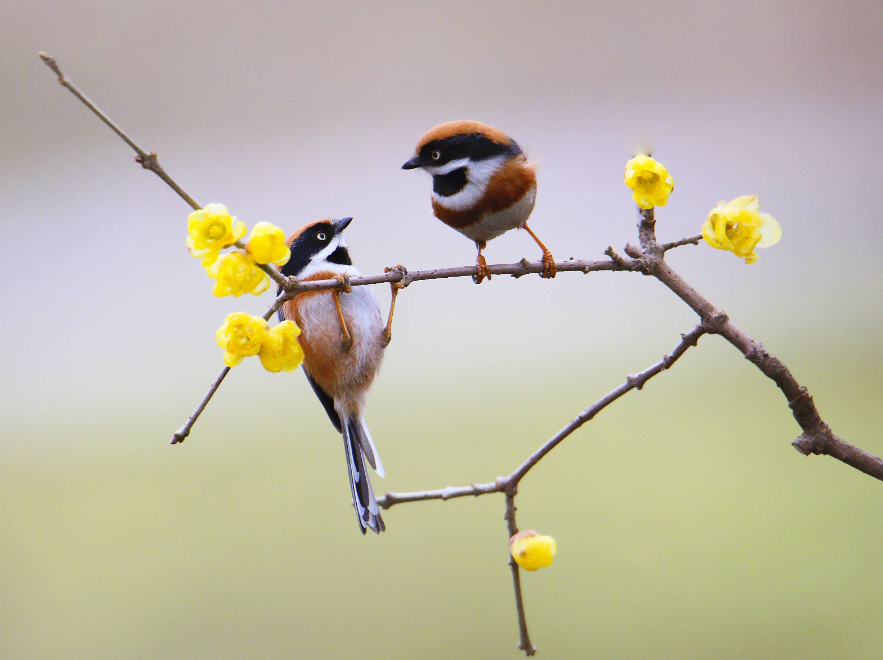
pixel 532 551
pixel 266 244
pixel 241 336
pixel 739 227
pixel 649 180
pixel 280 350
pixel 237 274
pixel 210 230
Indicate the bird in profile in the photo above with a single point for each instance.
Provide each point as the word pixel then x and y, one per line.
pixel 343 338
pixel 482 184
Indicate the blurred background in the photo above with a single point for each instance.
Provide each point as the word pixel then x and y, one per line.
pixel 687 526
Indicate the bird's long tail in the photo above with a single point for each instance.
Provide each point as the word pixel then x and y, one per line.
pixel 359 446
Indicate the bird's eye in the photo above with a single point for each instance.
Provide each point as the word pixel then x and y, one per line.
pixel 321 236
pixel 436 155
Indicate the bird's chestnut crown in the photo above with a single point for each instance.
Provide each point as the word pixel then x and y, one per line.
pixel 474 146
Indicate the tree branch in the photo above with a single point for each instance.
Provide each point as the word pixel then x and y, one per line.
pixel 648 259
pixel 506 484
pixel 399 274
pixel 149 161
pixel 633 382
pixel 181 434
pixel 817 437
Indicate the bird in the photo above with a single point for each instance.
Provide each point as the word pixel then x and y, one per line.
pixel 482 184
pixel 343 338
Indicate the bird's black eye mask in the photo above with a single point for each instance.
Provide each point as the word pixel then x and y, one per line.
pixel 312 241
pixel 474 146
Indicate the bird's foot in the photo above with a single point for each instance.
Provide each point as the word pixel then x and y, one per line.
pixel 401 269
pixel 483 271
pixel 549 268
pixel 343 283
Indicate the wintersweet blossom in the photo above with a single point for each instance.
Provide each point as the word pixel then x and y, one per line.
pixel 266 244
pixel 237 274
pixel 280 350
pixel 532 551
pixel 650 182
pixel 241 336
pixel 210 230
pixel 739 226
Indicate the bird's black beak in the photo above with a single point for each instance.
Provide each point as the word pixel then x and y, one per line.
pixel 412 164
pixel 340 225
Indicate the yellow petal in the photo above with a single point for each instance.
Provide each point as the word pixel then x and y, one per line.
pixel 212 209
pixel 239 230
pixel 263 286
pixel 708 234
pixel 210 257
pixel 284 260
pixel 747 202
pixel 770 231
pixel 231 359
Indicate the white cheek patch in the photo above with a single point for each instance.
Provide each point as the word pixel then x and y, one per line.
pixel 478 176
pixel 329 250
pixel 320 263
pixel 447 168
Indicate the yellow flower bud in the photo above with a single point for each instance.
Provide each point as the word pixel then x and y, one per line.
pixel 650 182
pixel 280 350
pixel 237 274
pixel 738 226
pixel 266 244
pixel 210 230
pixel 241 336
pixel 532 551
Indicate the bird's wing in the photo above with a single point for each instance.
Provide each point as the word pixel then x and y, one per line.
pixel 327 401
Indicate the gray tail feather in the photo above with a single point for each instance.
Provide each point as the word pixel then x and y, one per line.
pixel 359 430
pixel 366 507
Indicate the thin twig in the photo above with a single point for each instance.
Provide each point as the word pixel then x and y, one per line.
pixel 149 161
pixel 504 484
pixel 524 642
pixel 633 382
pixel 693 240
pixel 181 434
pixel 391 499
pixel 184 431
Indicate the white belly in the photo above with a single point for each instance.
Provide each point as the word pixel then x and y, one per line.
pixel 362 314
pixel 495 224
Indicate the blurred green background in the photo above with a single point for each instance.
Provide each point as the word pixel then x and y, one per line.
pixel 687 526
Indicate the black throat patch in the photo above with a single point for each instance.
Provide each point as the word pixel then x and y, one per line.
pixel 449 184
pixel 340 256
